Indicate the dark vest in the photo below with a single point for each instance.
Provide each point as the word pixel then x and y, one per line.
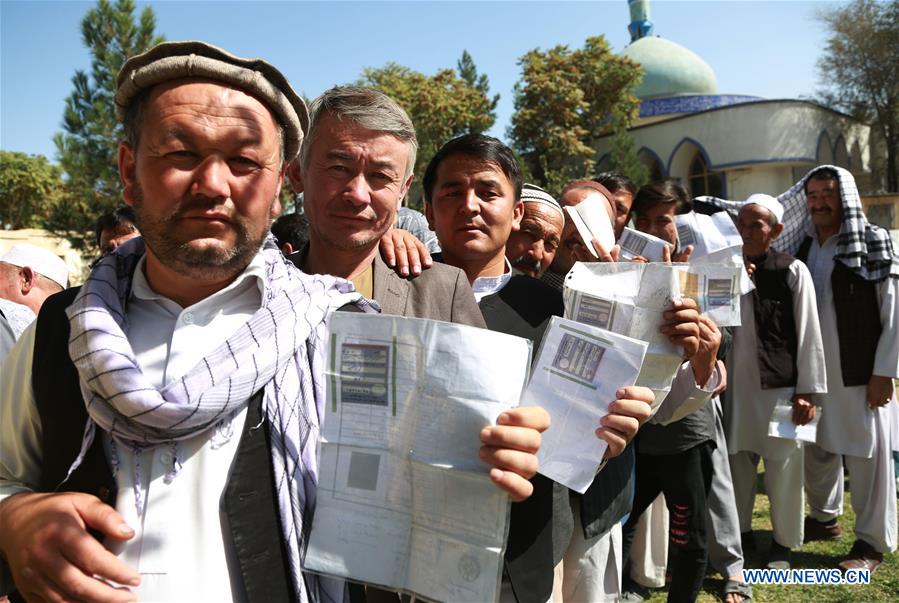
pixel 541 526
pixel 775 324
pixel 858 320
pixel 249 500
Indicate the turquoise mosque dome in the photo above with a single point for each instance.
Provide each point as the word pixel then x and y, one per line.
pixel 669 69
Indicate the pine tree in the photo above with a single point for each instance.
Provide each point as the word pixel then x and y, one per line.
pixel 468 71
pixel 87 147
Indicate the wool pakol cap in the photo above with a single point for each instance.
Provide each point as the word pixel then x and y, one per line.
pixel 769 203
pixel 194 59
pixel 42 261
pixel 534 194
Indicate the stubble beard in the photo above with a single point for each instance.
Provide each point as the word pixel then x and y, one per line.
pixel 208 262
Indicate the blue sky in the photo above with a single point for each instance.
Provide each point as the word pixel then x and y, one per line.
pixel 766 49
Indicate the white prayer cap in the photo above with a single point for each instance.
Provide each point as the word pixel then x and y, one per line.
pixel 769 203
pixel 531 193
pixel 40 260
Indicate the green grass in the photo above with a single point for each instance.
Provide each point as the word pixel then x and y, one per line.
pixel 884 584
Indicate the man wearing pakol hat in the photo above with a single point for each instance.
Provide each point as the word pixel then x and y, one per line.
pixel 777 355
pixel 171 404
pixel 532 247
pixel 28 275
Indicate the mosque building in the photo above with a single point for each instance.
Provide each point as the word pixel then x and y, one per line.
pixel 729 145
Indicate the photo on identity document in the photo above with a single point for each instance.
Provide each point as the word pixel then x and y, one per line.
pixel 578 371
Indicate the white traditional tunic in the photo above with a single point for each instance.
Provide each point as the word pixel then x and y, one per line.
pixel 748 407
pixel 181 546
pixel 847 425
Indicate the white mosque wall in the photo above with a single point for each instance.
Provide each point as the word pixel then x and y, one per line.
pixel 760 178
pixel 762 146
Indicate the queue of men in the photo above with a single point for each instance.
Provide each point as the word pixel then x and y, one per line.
pixel 151 447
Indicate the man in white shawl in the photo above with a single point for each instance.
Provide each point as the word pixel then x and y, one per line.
pixel 856 274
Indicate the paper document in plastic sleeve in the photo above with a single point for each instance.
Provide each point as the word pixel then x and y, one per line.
pixel 716 290
pixel 578 370
pixel 782 425
pixel 404 501
pixel 592 221
pixel 634 243
pixel 629 299
pixel 715 240
pixel 707 234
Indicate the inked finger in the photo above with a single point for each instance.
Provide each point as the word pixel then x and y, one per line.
pixel 636 392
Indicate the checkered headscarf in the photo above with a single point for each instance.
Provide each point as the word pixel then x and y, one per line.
pixel 862 247
pixel 279 350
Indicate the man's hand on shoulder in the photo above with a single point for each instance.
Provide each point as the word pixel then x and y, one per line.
pixel 511 448
pixel 52 556
pixel 626 414
pixel 402 251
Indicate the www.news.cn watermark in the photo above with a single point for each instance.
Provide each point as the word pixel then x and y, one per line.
pixel 806 576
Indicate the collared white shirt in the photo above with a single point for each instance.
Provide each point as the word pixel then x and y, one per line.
pixel 847 425
pixel 181 547
pixel 488 285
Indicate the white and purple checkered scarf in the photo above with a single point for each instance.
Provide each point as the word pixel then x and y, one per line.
pixel 862 247
pixel 276 351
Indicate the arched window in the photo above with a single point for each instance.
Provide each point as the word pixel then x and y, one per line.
pixel 652 163
pixel 704 181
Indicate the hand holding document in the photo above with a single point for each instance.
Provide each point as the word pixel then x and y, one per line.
pixel 628 299
pixel 782 425
pixel 634 243
pixel 403 499
pixel 592 222
pixel 578 370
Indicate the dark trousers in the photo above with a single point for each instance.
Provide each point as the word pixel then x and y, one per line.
pixel 685 479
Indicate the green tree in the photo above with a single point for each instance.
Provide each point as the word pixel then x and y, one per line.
pixel 441 106
pixel 88 145
pixel 29 188
pixel 623 158
pixel 564 101
pixel 468 71
pixel 859 69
